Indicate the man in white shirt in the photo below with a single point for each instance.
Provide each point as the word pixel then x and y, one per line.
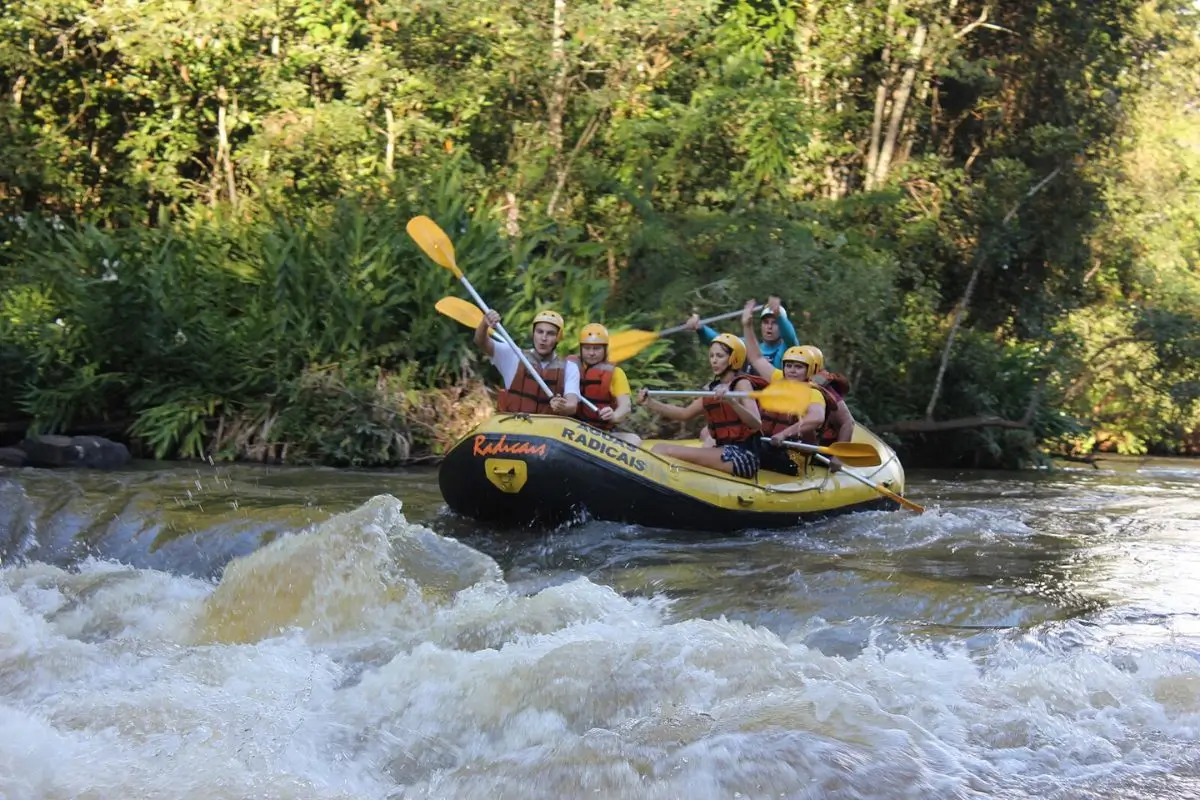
pixel 521 393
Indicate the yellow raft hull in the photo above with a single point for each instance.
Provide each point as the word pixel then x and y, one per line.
pixel 534 470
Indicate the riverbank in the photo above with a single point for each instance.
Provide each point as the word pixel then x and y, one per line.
pixel 332 422
pixel 383 424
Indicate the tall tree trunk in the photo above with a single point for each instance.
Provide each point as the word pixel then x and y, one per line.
pixel 810 77
pixel 223 155
pixel 924 92
pixel 512 215
pixel 560 181
pixel 899 105
pixel 558 98
pixel 389 152
pixel 881 94
pixel 810 71
pixel 961 309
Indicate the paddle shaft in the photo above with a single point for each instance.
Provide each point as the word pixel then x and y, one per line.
pixel 717 318
pixel 804 447
pixel 509 341
pixel 883 490
pixel 685 393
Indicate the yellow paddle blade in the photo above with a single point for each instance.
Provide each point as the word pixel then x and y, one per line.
pixel 460 311
pixel 856 461
pixel 434 241
pixel 786 397
pixel 624 345
pixel 879 487
pixel 854 454
pixel 909 504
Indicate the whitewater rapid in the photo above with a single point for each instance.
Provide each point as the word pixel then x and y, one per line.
pixel 370 657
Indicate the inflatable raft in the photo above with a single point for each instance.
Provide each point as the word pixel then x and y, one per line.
pixel 539 471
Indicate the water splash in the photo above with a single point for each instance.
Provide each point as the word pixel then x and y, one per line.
pixel 355 572
pixel 368 657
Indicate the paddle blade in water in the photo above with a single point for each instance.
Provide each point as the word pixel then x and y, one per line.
pixel 434 242
pixel 623 345
pixel 460 311
pixel 909 504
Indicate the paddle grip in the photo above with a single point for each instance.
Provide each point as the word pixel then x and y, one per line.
pixel 509 341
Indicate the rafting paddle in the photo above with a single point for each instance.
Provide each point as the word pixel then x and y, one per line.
pixel 855 454
pixel 783 396
pixel 437 245
pixel 879 487
pixel 465 313
pixel 624 345
pixel 460 311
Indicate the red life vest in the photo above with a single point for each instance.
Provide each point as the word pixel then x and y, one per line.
pixel 834 382
pixel 824 431
pixel 524 396
pixel 723 422
pixel 775 421
pixel 595 383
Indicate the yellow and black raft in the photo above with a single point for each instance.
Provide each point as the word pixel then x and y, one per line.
pixel 535 470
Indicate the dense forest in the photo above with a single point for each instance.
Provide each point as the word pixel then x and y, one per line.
pixel 987 214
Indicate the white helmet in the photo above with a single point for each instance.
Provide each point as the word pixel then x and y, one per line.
pixel 767 312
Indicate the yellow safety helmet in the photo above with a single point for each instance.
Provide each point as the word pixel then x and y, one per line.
pixel 552 317
pixel 807 355
pixel 817 359
pixel 737 349
pixel 795 355
pixel 593 333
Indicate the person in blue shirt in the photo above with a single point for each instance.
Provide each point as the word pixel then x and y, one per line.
pixel 777 331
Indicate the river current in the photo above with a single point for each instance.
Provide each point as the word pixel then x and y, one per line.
pixel 232 632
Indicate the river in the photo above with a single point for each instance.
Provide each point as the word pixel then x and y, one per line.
pixel 232 632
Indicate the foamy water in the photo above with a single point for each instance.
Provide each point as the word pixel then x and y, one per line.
pixel 370 657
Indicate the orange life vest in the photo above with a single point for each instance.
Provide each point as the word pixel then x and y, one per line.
pixel 524 396
pixel 723 422
pixel 595 383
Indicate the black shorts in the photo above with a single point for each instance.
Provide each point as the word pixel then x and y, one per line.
pixel 778 459
pixel 744 459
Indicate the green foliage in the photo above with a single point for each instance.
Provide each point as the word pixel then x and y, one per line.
pixel 202 206
pixel 171 328
pixel 176 427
